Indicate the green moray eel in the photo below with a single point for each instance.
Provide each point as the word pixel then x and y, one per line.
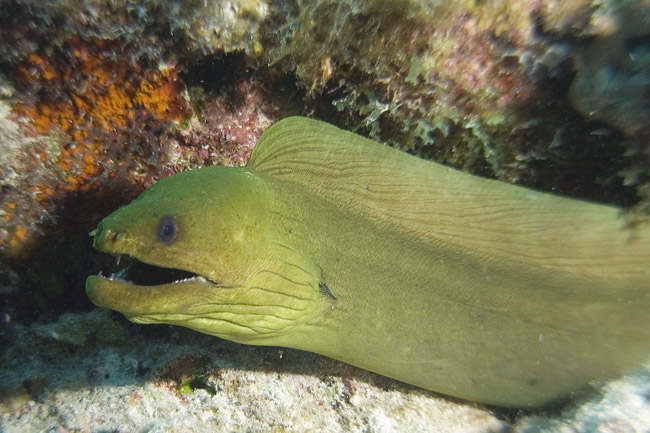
pixel 335 244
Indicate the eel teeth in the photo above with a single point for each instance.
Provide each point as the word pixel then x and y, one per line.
pixel 198 278
pixel 118 277
pixel 187 279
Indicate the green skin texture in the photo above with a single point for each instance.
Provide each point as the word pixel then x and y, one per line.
pixel 463 285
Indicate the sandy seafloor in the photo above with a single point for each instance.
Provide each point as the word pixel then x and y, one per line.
pixel 95 372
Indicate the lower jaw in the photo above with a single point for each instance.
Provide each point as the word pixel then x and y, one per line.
pixel 133 299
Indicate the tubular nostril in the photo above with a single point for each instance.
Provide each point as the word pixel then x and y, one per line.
pixel 97 232
pixel 97 235
pixel 104 236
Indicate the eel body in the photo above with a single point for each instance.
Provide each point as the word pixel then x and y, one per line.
pixel 333 243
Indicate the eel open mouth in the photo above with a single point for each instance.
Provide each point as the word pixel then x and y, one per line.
pixel 139 288
pixel 140 273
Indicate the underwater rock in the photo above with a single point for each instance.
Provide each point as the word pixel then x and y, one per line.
pixel 614 71
pixel 15 147
pixel 214 25
pixel 154 26
pixel 612 83
pixel 177 380
pixel 78 328
pixel 621 406
pixel 110 387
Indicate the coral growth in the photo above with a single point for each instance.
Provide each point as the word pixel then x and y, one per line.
pixel 482 86
pixel 217 25
pixel 226 128
pixel 154 27
pixel 416 75
pixel 91 95
pixel 103 116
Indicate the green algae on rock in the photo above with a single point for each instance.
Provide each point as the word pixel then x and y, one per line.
pixel 324 242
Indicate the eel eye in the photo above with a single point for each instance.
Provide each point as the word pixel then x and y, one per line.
pixel 167 230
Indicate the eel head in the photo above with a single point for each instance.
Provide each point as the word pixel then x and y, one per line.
pixel 202 253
